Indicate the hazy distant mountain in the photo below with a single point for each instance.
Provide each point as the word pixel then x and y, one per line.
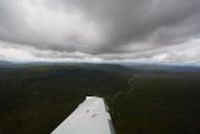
pixel 122 68
pixel 5 63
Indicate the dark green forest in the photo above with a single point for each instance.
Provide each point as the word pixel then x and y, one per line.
pixel 35 99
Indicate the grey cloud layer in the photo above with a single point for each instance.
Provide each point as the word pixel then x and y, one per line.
pixel 109 27
pixel 154 21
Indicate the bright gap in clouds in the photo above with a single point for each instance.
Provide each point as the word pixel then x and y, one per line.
pixel 18 53
pixel 185 54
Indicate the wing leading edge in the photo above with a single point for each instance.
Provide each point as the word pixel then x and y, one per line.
pixel 90 117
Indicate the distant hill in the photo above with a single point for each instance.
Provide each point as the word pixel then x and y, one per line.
pixel 5 63
pixel 162 68
pixel 122 68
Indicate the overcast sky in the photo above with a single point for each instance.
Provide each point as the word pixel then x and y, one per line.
pixel 149 31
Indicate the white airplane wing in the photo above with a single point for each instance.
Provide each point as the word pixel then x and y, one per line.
pixel 90 117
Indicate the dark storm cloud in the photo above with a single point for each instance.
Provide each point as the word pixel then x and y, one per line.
pixel 111 27
pixel 159 21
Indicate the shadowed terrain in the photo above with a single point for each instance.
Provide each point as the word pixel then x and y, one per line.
pixel 143 99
